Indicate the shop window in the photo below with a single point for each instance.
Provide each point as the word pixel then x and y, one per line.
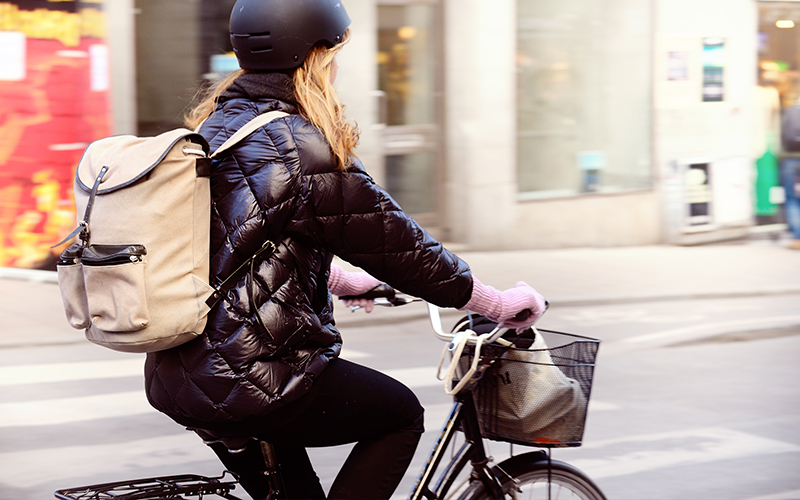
pixel 779 51
pixel 584 87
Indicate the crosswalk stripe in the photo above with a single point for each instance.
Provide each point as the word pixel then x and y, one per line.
pixel 69 410
pixel 676 448
pixel 785 495
pixel 65 372
pixel 709 329
pixel 38 466
pixel 87 370
pixel 416 377
pixel 120 404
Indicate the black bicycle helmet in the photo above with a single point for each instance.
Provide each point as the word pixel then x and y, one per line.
pixel 277 34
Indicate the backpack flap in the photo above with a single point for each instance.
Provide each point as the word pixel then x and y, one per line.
pixel 130 158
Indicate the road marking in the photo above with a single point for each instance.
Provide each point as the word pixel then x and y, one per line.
pixel 595 405
pixel 353 354
pixel 170 454
pixel 424 376
pixel 88 370
pixel 786 495
pixel 696 331
pixel 69 410
pixel 119 404
pixel 65 372
pixel 677 448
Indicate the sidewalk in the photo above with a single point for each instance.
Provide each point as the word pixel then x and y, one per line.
pixel 31 311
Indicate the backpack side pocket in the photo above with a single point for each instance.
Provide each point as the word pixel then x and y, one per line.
pixel 114 276
pixel 73 288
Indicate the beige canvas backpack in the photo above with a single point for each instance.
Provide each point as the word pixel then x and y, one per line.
pixel 138 278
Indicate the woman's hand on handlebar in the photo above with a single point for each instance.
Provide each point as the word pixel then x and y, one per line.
pixel 386 295
pixel 352 287
pixel 516 308
pixel 359 303
pixel 532 303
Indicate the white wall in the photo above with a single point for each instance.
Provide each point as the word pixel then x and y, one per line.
pixel 120 17
pixel 687 129
pixel 480 122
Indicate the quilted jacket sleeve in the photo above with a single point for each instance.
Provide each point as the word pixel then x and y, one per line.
pixel 354 218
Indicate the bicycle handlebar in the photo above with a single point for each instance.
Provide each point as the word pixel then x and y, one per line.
pixel 382 295
pixel 381 291
pixel 385 295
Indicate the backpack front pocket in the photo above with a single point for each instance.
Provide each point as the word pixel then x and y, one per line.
pixel 73 288
pixel 114 277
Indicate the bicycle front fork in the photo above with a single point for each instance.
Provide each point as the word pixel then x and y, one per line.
pixel 462 417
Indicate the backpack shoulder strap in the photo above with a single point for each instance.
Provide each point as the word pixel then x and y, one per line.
pixel 249 127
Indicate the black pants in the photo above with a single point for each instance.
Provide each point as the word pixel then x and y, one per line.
pixel 348 403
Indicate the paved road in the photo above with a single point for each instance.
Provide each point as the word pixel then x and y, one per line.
pixel 680 409
pixel 685 405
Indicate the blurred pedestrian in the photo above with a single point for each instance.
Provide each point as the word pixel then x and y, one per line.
pixel 790 179
pixel 790 170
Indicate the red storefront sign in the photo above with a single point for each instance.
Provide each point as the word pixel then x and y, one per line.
pixel 54 100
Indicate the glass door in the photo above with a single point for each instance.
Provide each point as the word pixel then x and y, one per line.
pixel 410 69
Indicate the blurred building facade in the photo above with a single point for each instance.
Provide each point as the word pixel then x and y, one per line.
pixel 54 100
pixel 504 124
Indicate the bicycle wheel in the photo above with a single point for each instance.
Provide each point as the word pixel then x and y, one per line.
pixel 528 477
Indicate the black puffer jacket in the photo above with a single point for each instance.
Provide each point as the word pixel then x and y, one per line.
pixel 282 184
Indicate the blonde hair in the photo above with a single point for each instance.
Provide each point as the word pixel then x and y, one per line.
pixel 320 104
pixel 315 96
pixel 206 99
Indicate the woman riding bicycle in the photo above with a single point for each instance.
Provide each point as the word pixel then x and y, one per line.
pixel 267 365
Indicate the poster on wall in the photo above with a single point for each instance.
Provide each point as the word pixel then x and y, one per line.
pixel 713 69
pixel 677 65
pixel 54 100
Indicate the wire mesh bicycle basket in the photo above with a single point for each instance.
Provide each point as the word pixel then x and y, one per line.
pixel 537 395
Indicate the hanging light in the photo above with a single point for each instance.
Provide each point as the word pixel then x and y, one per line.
pixel 406 33
pixel 784 23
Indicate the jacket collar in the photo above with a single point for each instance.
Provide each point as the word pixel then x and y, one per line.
pixel 254 86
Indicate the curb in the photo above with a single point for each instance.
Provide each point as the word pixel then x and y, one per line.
pixel 39 276
pixel 32 275
pixel 406 314
pixel 577 301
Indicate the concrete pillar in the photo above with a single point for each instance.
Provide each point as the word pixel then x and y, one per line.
pixel 357 82
pixel 120 16
pixel 480 121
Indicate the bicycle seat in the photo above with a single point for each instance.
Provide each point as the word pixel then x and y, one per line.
pixel 234 444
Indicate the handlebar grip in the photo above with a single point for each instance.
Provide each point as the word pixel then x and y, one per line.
pixel 523 315
pixel 381 291
pixel 526 313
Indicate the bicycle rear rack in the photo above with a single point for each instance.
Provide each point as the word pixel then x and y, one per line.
pixel 176 487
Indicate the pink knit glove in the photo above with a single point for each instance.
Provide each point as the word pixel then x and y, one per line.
pixel 343 283
pixel 503 306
